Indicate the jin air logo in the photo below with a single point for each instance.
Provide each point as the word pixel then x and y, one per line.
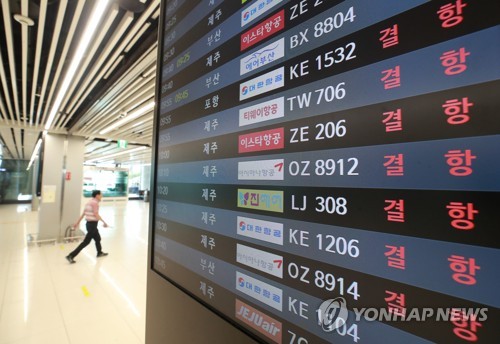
pixel 332 314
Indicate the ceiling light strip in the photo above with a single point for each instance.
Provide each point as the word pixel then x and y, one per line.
pixel 140 96
pixel 136 28
pixel 24 35
pixel 5 87
pixel 19 142
pixel 139 112
pixel 10 53
pixel 118 60
pixel 117 35
pixel 129 128
pixel 104 157
pixel 8 140
pixel 55 38
pixel 149 71
pixel 135 71
pixel 101 101
pixel 110 18
pixel 118 92
pixel 63 56
pixel 3 112
pixel 97 13
pixel 38 53
pixel 92 115
pixel 146 14
pixel 147 92
pixel 34 154
pixel 156 14
pixel 136 38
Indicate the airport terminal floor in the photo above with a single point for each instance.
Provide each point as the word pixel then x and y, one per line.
pixel 44 299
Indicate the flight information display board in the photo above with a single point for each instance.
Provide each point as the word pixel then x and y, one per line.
pixel 328 171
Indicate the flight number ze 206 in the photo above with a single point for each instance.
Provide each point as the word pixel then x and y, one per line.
pixel 303 7
pixel 328 130
pixel 328 167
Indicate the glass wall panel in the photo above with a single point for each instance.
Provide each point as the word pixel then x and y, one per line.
pixel 15 181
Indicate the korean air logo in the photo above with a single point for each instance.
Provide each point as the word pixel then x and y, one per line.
pixel 241 282
pixel 246 15
pixel 263 83
pixel 243 226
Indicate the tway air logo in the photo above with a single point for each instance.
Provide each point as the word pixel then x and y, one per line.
pixel 261 291
pixel 256 10
pixel 261 230
pixel 263 56
pixel 263 83
pixel 269 327
pixel 260 260
pixel 266 111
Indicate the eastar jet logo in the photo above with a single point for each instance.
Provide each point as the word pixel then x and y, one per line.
pixel 262 140
pixel 262 30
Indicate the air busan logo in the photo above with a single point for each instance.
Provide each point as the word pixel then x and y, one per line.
pixel 259 58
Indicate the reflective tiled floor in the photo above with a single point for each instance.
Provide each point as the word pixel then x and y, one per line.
pixel 44 299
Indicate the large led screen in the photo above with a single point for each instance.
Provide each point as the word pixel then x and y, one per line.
pixel 328 171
